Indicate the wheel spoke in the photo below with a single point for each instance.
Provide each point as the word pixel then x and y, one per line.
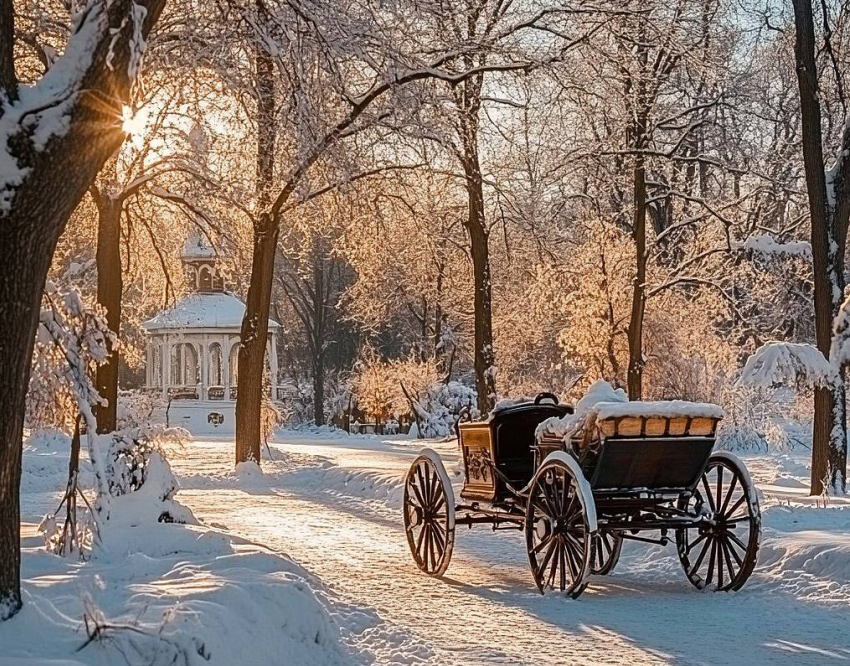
pixel 719 548
pixel 729 568
pixel 418 493
pixel 563 562
pixel 695 543
pixel 738 519
pixel 732 551
pixel 439 541
pixel 422 485
pixel 574 554
pixel 549 501
pixel 422 546
pixel 735 506
pixel 708 493
pixel 545 542
pixel 553 567
pixel 729 495
pixel 734 539
pixel 719 484
pixel 711 561
pixel 701 557
pixel 549 551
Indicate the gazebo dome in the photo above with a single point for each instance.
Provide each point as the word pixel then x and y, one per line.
pixel 193 347
pixel 218 310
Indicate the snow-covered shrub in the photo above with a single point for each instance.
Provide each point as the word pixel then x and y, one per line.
pixel 433 403
pixel 72 341
pixel 740 436
pixel 137 461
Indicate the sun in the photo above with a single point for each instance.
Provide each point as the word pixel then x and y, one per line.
pixel 133 124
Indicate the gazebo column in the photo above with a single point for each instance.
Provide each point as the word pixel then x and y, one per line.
pixel 203 348
pixel 272 352
pixel 225 366
pixel 166 366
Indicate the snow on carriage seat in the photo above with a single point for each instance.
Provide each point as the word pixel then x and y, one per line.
pixel 567 426
pixel 665 409
pixel 611 411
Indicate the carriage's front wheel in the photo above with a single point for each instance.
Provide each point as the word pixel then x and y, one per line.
pixel 560 526
pixel 722 553
pixel 429 514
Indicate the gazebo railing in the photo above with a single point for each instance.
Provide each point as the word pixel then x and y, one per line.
pixel 183 392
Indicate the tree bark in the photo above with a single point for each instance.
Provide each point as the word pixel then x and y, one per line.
pixel 109 292
pixel 252 349
pixel 57 177
pixel 635 333
pixel 476 225
pixel 255 324
pixel 829 436
pixel 318 342
pixel 636 364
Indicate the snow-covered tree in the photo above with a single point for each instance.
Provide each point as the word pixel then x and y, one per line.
pixel 54 137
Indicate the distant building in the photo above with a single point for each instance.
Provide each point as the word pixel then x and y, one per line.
pixel 193 349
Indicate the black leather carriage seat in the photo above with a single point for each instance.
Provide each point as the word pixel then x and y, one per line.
pixel 514 436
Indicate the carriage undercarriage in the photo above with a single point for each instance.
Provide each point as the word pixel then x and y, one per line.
pixel 574 530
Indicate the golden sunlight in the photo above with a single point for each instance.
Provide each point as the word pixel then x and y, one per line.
pixel 133 123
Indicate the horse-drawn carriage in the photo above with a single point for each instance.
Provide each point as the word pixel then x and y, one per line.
pixel 580 482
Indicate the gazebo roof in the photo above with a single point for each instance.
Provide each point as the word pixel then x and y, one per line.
pixel 215 310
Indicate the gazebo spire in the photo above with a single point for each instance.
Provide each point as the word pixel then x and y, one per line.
pixel 199 260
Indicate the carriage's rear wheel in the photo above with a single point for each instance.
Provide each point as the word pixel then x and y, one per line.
pixel 560 523
pixel 429 514
pixel 722 555
pixel 606 553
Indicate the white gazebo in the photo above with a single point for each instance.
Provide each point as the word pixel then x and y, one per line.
pixel 193 349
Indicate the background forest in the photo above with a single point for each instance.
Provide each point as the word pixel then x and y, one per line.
pixel 559 193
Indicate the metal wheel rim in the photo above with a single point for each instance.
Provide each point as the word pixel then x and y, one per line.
pixel 722 558
pixel 427 520
pixel 559 555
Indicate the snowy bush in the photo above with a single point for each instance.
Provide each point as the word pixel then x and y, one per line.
pixel 433 403
pixel 740 436
pixel 72 341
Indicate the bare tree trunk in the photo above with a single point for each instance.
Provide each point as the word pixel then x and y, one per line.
pixel 319 257
pixel 829 437
pixel 638 141
pixel 476 225
pixel 252 349
pixel 22 275
pixel 109 293
pixel 636 363
pixel 255 325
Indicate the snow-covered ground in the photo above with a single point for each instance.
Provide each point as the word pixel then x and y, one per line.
pixel 332 504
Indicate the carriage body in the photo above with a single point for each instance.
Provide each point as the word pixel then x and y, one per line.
pixel 499 453
pixel 620 470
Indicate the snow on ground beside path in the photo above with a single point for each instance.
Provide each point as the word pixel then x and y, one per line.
pixel 164 593
pixel 340 518
pixel 332 503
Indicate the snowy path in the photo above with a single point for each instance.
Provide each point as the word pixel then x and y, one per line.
pixel 334 507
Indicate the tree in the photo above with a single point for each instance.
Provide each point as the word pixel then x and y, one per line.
pixel 325 106
pixel 54 137
pixel 829 211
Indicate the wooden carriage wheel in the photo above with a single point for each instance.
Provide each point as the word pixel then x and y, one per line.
pixel 560 523
pixel 721 556
pixel 606 553
pixel 429 514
